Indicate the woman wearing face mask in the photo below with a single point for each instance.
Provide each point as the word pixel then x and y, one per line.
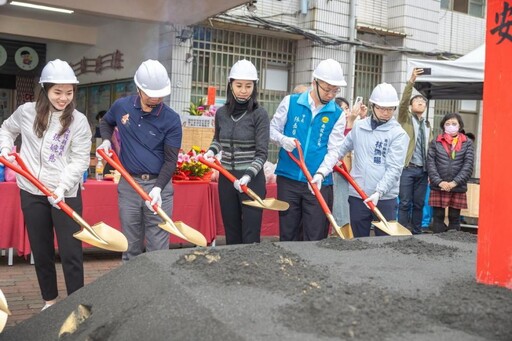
pixel 449 165
pixel 242 135
pixel 56 147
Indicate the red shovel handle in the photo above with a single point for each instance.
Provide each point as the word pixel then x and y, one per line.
pixel 23 170
pixel 350 179
pixel 114 162
pixel 216 165
pixel 301 163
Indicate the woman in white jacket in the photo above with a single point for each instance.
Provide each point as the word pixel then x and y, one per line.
pixel 56 145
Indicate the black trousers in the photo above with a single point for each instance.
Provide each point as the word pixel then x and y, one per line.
pixel 41 218
pixel 305 219
pixel 242 223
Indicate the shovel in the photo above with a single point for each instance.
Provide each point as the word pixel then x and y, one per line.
pixel 268 203
pixel 100 235
pixel 178 229
pixel 393 228
pixel 344 232
pixel 4 311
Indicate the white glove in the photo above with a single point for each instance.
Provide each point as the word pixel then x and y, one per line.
pixel 288 143
pixel 373 198
pixel 208 156
pixel 59 193
pixel 243 181
pixel 106 146
pixel 317 181
pixel 5 153
pixel 156 198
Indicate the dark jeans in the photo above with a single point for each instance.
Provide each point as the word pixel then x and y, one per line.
pixel 413 188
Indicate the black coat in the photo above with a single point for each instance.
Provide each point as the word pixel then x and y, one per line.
pixel 441 167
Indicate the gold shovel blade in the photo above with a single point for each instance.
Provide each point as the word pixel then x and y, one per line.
pixel 4 311
pixel 392 227
pixel 193 235
pixel 181 230
pixel 114 239
pixel 3 304
pixel 346 230
pixel 269 204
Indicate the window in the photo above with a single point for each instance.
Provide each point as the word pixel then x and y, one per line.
pixel 368 73
pixel 217 50
pixel 475 8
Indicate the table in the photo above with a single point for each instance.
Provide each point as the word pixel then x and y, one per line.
pixel 270 222
pixel 12 226
pixel 193 202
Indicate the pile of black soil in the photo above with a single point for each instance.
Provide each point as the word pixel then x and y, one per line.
pixel 388 288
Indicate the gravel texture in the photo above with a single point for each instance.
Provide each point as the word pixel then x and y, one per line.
pixel 388 288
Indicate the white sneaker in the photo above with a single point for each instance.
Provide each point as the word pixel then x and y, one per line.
pixel 46 306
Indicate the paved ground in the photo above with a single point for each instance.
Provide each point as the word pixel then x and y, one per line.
pixel 19 282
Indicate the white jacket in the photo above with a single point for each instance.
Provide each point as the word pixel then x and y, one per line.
pixel 378 157
pixel 55 161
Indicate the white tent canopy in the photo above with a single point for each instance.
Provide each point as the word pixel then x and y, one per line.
pixel 459 79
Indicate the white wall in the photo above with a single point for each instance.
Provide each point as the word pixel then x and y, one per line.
pixel 137 42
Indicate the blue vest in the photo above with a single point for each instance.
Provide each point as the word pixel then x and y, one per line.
pixel 312 134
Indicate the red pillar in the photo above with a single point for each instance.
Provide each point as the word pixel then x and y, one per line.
pixel 494 249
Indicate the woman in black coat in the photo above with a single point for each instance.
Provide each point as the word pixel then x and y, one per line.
pixel 449 165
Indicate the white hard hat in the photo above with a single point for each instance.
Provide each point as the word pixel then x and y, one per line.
pixel 58 72
pixel 243 70
pixel 330 71
pixel 384 95
pixel 152 78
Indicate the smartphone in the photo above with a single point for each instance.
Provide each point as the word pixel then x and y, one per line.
pixel 426 71
pixel 358 100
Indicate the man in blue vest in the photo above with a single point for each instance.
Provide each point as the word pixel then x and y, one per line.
pixel 314 119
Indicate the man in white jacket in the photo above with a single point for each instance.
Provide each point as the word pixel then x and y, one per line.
pixel 379 144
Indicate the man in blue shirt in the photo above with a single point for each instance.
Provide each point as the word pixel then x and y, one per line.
pixel 151 134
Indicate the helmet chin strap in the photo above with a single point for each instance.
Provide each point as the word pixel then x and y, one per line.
pixel 318 95
pixel 238 99
pixel 379 119
pixel 152 106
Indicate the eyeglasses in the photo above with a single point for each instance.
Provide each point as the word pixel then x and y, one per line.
pixel 419 100
pixel 388 109
pixel 334 91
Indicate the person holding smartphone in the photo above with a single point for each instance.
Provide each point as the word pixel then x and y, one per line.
pixel 340 208
pixel 414 179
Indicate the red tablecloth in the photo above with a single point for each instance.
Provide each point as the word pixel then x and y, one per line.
pixel 270 223
pixel 12 226
pixel 193 203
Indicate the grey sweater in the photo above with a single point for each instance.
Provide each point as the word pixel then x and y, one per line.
pixel 243 140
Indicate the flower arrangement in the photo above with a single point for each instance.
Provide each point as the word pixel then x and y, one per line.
pixel 201 108
pixel 189 167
